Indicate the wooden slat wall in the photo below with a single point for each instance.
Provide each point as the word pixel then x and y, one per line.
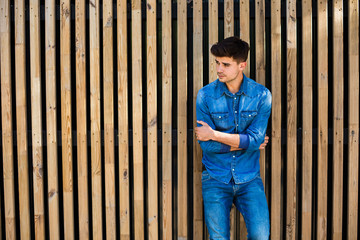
pixel 300 206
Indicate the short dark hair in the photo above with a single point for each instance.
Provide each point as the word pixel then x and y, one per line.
pixel 231 47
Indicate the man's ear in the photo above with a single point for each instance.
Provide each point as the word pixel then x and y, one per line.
pixel 242 66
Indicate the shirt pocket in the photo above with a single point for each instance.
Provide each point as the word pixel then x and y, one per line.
pixel 221 120
pixel 246 118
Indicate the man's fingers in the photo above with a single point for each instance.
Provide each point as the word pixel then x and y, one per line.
pixel 201 122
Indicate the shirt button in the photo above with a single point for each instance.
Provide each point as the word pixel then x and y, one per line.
pixel 237 125
pixel 235 111
pixel 235 98
pixel 233 156
pixel 219 116
pixel 233 169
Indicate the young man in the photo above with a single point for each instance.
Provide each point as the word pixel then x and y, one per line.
pixel 232 114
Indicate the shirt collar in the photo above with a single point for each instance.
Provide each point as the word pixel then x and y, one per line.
pixel 244 88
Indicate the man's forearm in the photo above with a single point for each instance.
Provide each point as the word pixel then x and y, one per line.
pixel 233 140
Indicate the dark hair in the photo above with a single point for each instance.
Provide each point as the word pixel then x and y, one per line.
pixel 231 47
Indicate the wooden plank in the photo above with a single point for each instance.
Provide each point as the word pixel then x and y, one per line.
pixel 322 78
pixel 338 118
pixel 322 121
pixel 36 120
pixel 137 119
pixel 291 121
pixel 307 116
pixel 65 52
pixel 109 120
pixel 153 218
pixel 276 120
pixel 260 61
pixel 81 126
pixel 213 36
pixel 182 156
pixel 166 120
pixel 228 18
pixel 353 116
pixel 197 153
pixel 245 35
pixel 51 118
pixel 123 120
pixel 21 121
pixel 95 125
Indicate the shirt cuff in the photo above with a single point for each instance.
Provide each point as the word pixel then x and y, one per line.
pixel 244 141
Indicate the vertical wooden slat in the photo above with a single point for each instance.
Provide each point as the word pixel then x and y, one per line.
pixel 322 66
pixel 291 121
pixel 152 120
pixel 137 120
pixel 36 119
pixel 353 116
pixel 245 35
pixel 276 120
pixel 182 155
pixel 213 36
pixel 166 120
pixel 123 120
pixel 307 129
pixel 51 136
pixel 260 60
pixel 198 83
pixel 21 126
pixel 82 165
pixel 338 118
pixel 65 51
pixel 228 18
pixel 109 120
pixel 94 28
pixel 6 120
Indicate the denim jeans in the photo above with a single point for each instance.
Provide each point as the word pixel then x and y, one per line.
pixel 249 198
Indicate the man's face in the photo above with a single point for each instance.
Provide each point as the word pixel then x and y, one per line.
pixel 228 69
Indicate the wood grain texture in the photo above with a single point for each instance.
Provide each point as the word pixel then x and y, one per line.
pixel 123 120
pixel 51 116
pixel 353 120
pixel 6 121
pixel 95 119
pixel 307 116
pixel 276 120
pixel 291 121
pixel 197 84
pixel 338 118
pixel 36 120
pixel 137 120
pixel 182 91
pixel 109 119
pixel 21 120
pixel 166 121
pixel 213 36
pixel 228 18
pixel 322 78
pixel 245 29
pixel 81 122
pixel 153 218
pixel 66 131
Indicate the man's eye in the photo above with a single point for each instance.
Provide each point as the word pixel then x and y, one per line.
pixel 226 65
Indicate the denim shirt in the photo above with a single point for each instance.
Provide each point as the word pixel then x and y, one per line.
pixel 245 113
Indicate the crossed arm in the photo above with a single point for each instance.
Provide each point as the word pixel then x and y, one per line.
pixel 206 133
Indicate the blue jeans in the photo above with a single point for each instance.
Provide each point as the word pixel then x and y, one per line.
pixel 249 198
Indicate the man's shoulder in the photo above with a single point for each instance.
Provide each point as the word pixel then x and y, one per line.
pixel 211 90
pixel 256 89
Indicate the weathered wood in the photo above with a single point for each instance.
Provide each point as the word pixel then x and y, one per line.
pixel 81 126
pixel 123 120
pixel 66 132
pixel 276 120
pixel 338 118
pixel 36 120
pixel 197 84
pixel 153 218
pixel 51 136
pixel 228 18
pixel 109 120
pixel 353 121
pixel 137 120
pixel 166 120
pixel 95 125
pixel 291 121
pixel 307 128
pixel 182 91
pixel 213 36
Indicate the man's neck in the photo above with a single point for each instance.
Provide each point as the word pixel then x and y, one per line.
pixel 234 86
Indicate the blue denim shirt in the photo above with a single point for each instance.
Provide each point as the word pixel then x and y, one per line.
pixel 246 113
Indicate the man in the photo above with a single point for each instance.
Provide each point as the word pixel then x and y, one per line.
pixel 232 114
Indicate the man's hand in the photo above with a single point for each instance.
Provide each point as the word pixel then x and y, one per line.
pixel 205 132
pixel 263 145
